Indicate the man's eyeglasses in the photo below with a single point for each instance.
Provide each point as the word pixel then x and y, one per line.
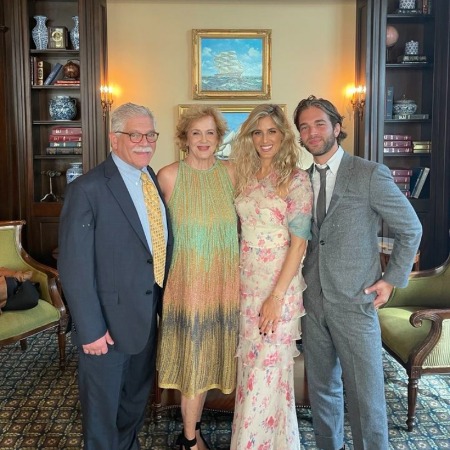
pixel 136 138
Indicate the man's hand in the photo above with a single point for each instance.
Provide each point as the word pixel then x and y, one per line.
pixel 100 346
pixel 383 291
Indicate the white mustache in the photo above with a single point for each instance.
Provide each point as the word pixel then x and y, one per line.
pixel 143 150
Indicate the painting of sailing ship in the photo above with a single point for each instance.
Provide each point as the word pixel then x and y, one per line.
pixel 234 64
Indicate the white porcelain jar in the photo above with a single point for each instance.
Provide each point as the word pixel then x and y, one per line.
pixel 74 171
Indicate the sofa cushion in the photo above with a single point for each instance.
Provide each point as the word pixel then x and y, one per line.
pixel 15 323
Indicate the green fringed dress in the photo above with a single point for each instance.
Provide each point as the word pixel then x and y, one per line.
pixel 199 326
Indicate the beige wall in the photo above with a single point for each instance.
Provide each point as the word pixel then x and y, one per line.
pixel 149 51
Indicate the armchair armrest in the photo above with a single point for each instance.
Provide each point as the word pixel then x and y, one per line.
pixel 430 345
pixel 426 289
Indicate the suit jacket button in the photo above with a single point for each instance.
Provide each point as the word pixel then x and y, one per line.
pixel 149 292
pixel 322 242
pixel 150 261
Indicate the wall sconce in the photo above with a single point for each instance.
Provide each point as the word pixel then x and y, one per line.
pixel 358 99
pixel 106 98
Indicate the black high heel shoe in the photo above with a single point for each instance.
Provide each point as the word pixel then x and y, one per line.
pixel 185 443
pixel 197 427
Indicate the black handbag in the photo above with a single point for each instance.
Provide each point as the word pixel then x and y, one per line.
pixel 20 294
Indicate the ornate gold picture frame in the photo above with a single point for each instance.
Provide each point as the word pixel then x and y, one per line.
pixel 231 64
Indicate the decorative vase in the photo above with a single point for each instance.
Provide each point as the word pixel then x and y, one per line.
pixel 405 106
pixel 412 48
pixel 75 34
pixel 407 4
pixel 63 107
pixel 40 33
pixel 71 70
pixel 74 171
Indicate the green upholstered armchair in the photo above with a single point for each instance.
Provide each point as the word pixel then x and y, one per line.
pixel 50 313
pixel 415 328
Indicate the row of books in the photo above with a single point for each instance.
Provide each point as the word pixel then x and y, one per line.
pixel 411 181
pixel 65 141
pixel 403 143
pixel 43 74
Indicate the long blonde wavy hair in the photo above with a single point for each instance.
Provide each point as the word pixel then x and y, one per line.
pixel 246 158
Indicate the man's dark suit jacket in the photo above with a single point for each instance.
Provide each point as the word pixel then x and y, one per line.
pixel 105 264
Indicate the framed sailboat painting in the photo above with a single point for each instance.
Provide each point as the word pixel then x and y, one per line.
pixel 231 64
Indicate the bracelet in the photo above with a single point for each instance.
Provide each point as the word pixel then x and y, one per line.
pixel 277 297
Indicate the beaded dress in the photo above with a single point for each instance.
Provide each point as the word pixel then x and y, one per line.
pixel 199 326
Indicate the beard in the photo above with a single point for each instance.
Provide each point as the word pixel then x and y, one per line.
pixel 327 145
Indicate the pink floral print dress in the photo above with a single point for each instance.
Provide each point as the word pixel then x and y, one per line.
pixel 265 416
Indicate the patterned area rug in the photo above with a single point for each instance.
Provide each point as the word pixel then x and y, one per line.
pixel 39 407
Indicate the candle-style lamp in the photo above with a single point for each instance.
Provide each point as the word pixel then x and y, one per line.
pixel 106 98
pixel 358 99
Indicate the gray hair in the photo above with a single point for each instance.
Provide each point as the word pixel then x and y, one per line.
pixel 127 111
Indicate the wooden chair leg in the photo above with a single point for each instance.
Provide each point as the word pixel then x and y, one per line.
pixel 413 384
pixel 23 344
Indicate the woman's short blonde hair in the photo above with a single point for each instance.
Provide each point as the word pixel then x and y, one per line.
pixel 191 115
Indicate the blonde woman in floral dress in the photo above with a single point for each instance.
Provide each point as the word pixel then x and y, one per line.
pixel 274 203
pixel 199 326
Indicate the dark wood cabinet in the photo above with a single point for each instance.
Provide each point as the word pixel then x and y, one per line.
pixel 379 67
pixel 27 119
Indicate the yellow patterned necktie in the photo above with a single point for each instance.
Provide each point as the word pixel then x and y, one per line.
pixel 151 198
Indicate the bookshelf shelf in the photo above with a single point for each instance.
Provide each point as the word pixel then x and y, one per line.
pixel 409 66
pixel 69 123
pixel 399 121
pixel 74 156
pixel 31 127
pixel 388 80
pixel 55 87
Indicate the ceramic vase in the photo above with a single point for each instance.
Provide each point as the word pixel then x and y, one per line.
pixel 412 48
pixel 63 107
pixel 407 4
pixel 74 171
pixel 40 33
pixel 75 34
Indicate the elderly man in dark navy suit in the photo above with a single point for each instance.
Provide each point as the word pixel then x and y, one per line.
pixel 108 272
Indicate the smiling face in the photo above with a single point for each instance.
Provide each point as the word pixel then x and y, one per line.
pixel 136 155
pixel 267 138
pixel 202 138
pixel 317 133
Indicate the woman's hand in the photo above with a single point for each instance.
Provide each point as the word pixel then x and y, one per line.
pixel 270 314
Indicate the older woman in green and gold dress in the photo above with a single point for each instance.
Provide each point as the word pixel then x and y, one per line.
pixel 199 326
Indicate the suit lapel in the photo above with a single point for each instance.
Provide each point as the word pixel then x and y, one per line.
pixel 343 177
pixel 122 196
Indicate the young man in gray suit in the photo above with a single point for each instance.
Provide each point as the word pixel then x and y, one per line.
pixel 112 280
pixel 345 285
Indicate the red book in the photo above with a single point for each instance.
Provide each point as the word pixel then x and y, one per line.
pixel 401 172
pixel 397 143
pixel 397 149
pixel 65 137
pixel 67 81
pixel 67 130
pixel 397 137
pixel 402 179
pixel 403 186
